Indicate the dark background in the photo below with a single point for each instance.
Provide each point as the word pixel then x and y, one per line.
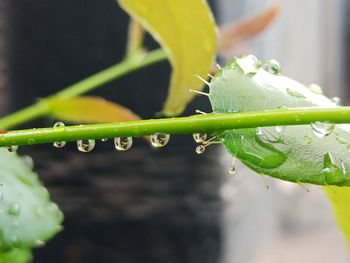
pixel 140 206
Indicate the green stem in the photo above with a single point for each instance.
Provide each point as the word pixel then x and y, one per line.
pixel 206 123
pixel 41 108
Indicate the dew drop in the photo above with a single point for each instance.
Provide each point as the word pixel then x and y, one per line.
pixel 315 88
pixel 248 63
pixel 322 129
pixel 104 139
pixel 200 149
pixel 279 129
pixel 159 140
pixel 86 145
pixel 12 148
pixel 232 169
pixel 123 143
pixel 59 126
pixel 308 139
pixel 14 209
pixel 59 144
pixel 199 137
pixel 295 93
pixel 272 66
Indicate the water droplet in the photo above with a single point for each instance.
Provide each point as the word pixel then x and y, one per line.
pixel 295 93
pixel 248 63
pixel 159 139
pixel 232 169
pixel 333 169
pixel 59 126
pixel 315 88
pixel 123 143
pixel 200 149
pixel 104 139
pixel 59 144
pixel 199 137
pixel 86 145
pixel 12 148
pixel 341 140
pixel 31 141
pixel 14 209
pixel 272 66
pixel 308 139
pixel 322 129
pixel 280 129
pixel 336 100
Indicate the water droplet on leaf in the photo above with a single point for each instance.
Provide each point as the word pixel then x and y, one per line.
pixel 14 209
pixel 86 145
pixel 272 66
pixel 315 88
pixel 12 148
pixel 123 143
pixel 199 137
pixel 322 129
pixel 104 139
pixel 248 63
pixel 159 139
pixel 59 126
pixel 295 93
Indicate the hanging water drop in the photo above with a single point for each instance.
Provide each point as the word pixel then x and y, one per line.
pixel 199 137
pixel 12 148
pixel 123 143
pixel 159 139
pixel 200 149
pixel 322 129
pixel 248 63
pixel 104 139
pixel 232 169
pixel 272 66
pixel 86 145
pixel 315 88
pixel 59 127
pixel 295 93
pixel 14 209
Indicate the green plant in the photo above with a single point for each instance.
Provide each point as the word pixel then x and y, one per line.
pixel 238 115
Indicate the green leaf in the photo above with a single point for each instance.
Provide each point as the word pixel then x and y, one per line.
pixel 187 32
pixel 28 217
pixel 89 110
pixel 16 256
pixel 294 153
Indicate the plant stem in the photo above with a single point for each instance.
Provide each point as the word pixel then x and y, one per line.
pixel 206 123
pixel 136 35
pixel 126 66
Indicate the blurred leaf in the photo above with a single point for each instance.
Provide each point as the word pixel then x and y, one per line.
pixel 16 256
pixel 89 110
pixel 232 34
pixel 28 217
pixel 340 199
pixel 187 32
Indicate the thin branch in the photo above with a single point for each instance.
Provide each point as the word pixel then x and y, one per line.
pixel 207 123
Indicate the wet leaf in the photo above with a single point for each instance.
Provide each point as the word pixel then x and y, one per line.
pixel 89 110
pixel 16 256
pixel 28 217
pixel 313 154
pixel 232 34
pixel 186 31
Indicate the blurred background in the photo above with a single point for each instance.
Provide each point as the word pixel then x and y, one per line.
pixel 171 205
